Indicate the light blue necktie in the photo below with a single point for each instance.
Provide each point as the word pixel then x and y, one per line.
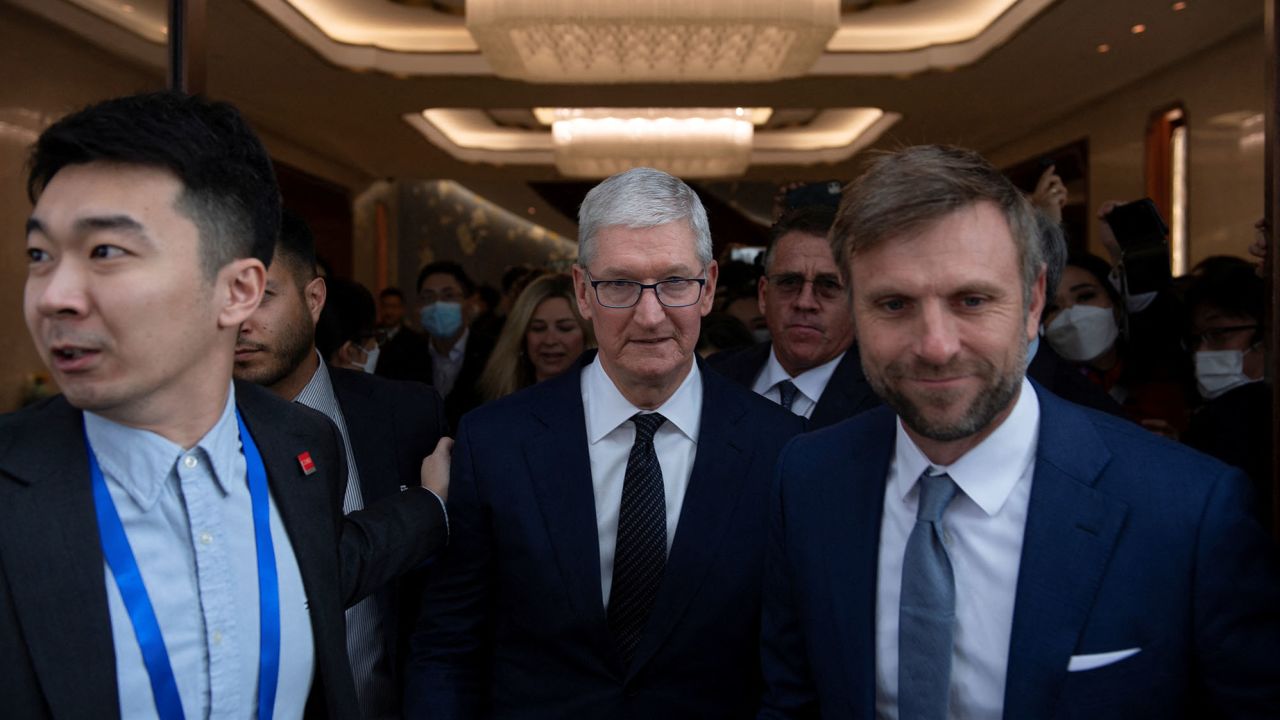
pixel 927 609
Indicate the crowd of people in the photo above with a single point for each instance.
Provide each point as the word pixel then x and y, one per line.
pixel 918 460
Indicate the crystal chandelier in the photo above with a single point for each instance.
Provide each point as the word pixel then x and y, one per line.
pixel 686 142
pixel 613 41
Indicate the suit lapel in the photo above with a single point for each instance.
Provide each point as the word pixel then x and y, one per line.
pixel 559 469
pixel 854 487
pixel 1070 534
pixel 846 394
pixel 715 485
pixel 53 560
pixel 374 452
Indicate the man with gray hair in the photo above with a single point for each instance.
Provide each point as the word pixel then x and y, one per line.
pixel 608 525
pixel 980 548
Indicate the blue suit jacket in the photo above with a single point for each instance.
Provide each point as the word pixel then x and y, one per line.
pixel 513 624
pixel 1131 542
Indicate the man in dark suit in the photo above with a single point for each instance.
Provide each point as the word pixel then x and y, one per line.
pixel 608 525
pixel 980 548
pixel 170 542
pixel 450 356
pixel 811 365
pixel 387 427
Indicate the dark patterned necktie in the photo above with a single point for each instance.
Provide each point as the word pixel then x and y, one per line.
pixel 927 609
pixel 787 392
pixel 641 552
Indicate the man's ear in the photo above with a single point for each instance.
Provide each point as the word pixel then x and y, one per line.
pixel 580 290
pixel 762 292
pixel 709 291
pixel 316 292
pixel 238 291
pixel 1036 307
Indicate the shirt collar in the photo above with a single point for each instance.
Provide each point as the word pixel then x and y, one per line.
pixel 989 471
pixel 320 386
pixel 140 460
pixel 606 408
pixel 455 352
pixel 811 382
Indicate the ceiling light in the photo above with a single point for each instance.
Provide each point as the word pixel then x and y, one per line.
pixel 1104 48
pixel 1138 29
pixel 651 40
pixel 686 142
pixel 1178 6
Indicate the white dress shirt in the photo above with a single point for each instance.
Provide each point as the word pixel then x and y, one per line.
pixel 982 531
pixel 810 383
pixel 610 436
pixel 188 517
pixel 445 367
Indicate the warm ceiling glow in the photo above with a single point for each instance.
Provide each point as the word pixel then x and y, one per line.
pixel 1138 29
pixel 1178 6
pixel 1104 48
pixel 548 115
pixel 692 142
pixel 833 135
pixel 610 41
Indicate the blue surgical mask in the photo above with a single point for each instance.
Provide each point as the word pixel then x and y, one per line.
pixel 442 319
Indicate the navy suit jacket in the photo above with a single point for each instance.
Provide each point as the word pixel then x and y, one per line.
pixel 1131 542
pixel 847 393
pixel 513 623
pixel 392 425
pixel 56 647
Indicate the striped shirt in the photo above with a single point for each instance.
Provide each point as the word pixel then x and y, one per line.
pixel 366 633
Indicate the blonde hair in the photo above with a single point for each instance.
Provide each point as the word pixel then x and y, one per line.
pixel 509 369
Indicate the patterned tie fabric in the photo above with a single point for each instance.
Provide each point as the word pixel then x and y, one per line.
pixel 926 620
pixel 641 552
pixel 787 392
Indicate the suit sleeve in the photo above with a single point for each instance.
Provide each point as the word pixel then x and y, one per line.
pixel 1237 606
pixel 789 691
pixel 445 676
pixel 386 539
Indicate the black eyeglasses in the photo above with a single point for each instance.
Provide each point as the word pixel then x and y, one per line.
pixel 1214 337
pixel 673 293
pixel 789 285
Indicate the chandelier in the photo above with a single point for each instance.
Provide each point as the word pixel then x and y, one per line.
pixel 686 142
pixel 612 41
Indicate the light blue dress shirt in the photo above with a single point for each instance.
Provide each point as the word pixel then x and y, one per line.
pixel 188 517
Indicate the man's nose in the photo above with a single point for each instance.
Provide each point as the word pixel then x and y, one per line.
pixel 939 339
pixel 63 290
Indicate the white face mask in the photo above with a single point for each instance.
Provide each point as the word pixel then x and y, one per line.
pixel 371 360
pixel 1218 371
pixel 1082 332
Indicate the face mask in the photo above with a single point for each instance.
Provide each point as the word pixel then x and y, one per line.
pixel 760 335
pixel 442 319
pixel 1218 371
pixel 371 360
pixel 1082 332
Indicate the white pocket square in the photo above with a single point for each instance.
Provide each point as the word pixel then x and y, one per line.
pixel 1094 661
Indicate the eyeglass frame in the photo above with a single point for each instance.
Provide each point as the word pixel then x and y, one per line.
pixel 595 286
pixel 1195 341
pixel 842 287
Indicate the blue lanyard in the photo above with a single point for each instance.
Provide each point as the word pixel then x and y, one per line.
pixel 115 546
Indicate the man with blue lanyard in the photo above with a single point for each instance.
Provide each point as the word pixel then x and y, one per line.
pixel 172 544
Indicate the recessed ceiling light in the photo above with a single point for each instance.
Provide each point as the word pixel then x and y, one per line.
pixel 1138 29
pixel 533 211
pixel 1104 48
pixel 127 8
pixel 1178 6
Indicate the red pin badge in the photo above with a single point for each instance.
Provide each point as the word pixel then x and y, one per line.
pixel 307 464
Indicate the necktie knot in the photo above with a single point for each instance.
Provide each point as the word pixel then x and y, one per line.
pixel 787 392
pixel 936 492
pixel 646 425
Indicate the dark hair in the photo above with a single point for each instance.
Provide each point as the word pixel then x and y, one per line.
pixel 391 292
pixel 1053 247
pixel 1100 270
pixel 517 274
pixel 1231 288
pixel 229 186
pixel 722 331
pixel 297 247
pixel 349 314
pixel 447 267
pixel 807 219
pixel 490 296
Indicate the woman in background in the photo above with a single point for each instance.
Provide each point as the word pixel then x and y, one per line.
pixel 543 336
